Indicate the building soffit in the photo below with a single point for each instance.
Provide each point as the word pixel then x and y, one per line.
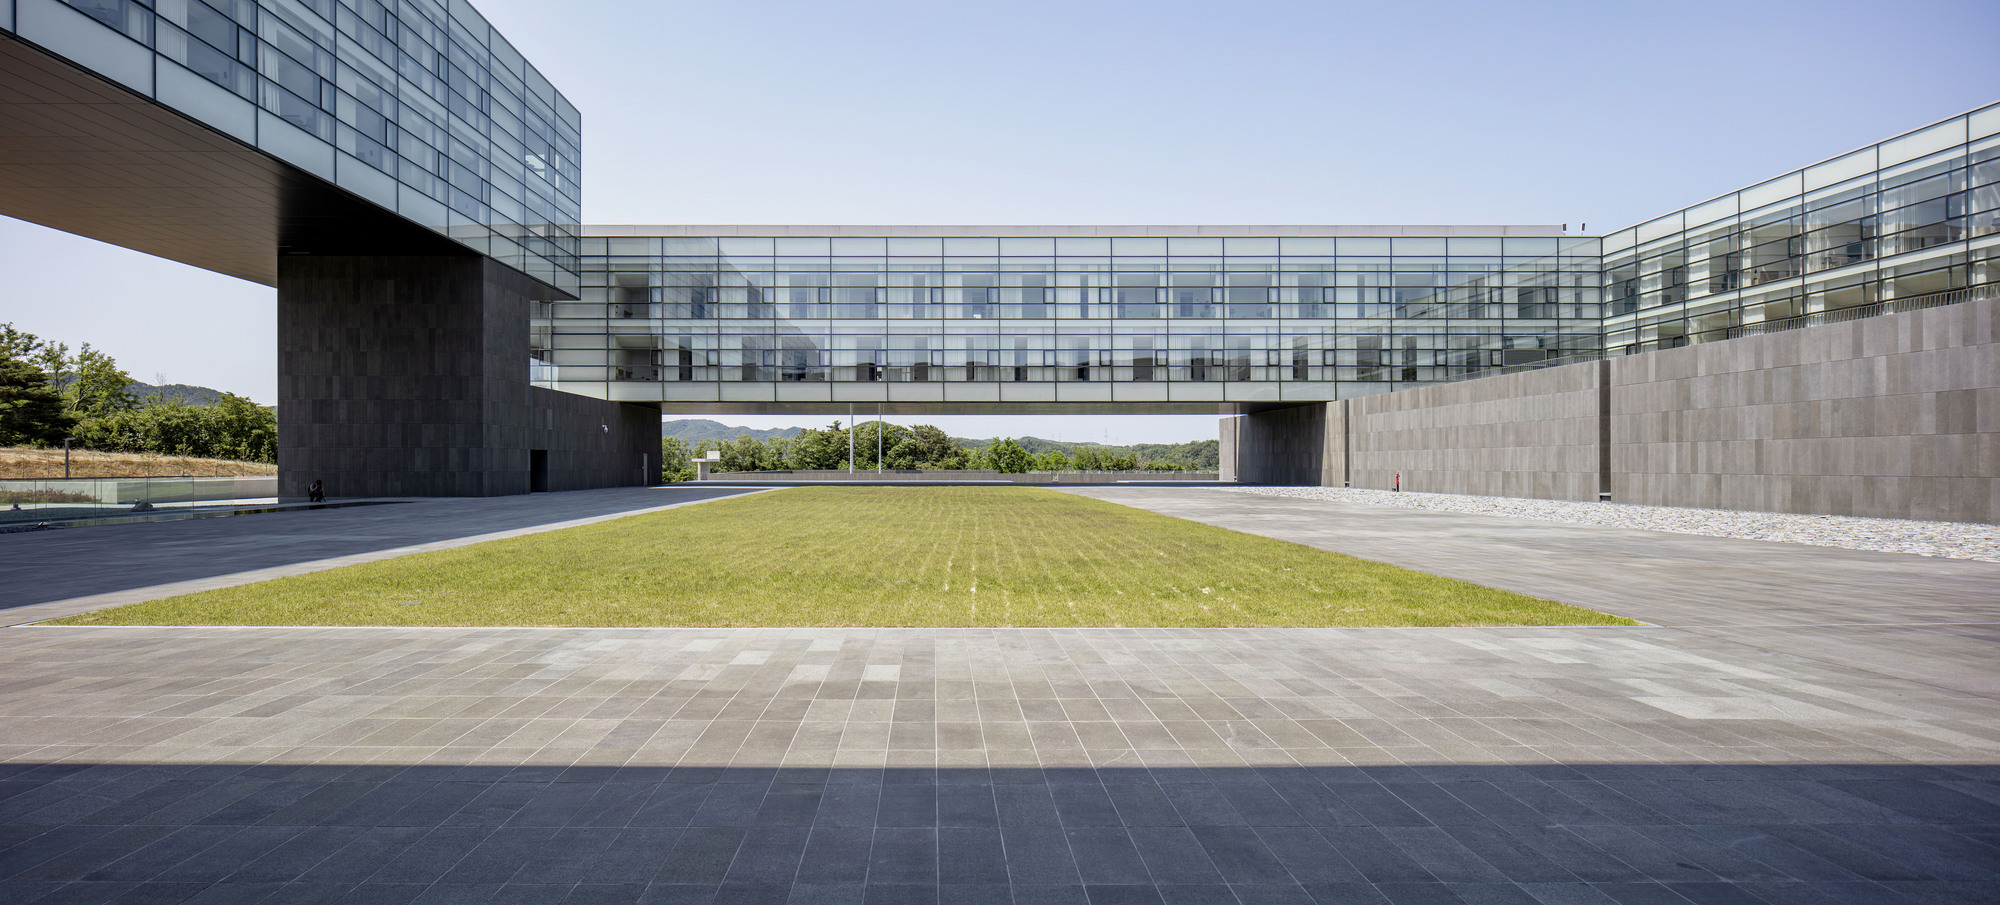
pixel 86 156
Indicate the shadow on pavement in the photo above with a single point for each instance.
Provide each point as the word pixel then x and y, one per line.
pixel 434 833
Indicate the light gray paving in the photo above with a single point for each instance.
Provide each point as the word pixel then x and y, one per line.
pixel 1696 761
pixel 1951 540
pixel 1922 618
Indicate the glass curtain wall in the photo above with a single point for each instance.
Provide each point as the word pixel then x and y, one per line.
pixel 1060 318
pixel 1908 223
pixel 417 105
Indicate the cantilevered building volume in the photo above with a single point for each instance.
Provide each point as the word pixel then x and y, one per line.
pixel 410 184
pixel 404 177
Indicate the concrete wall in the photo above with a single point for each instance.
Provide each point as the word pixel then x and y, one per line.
pixel 1895 417
pixel 1225 448
pixel 1533 434
pixel 1337 454
pixel 408 376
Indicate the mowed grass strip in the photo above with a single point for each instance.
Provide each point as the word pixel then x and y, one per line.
pixel 869 556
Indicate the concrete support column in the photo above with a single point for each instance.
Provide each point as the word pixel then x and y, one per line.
pixel 408 376
pixel 1226 466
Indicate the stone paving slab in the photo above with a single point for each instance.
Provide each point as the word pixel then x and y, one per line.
pixel 1917 617
pixel 1095 765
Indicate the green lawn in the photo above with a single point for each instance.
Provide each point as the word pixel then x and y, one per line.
pixel 874 556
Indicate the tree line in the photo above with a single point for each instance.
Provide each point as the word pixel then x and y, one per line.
pixel 923 447
pixel 49 394
pixel 1194 455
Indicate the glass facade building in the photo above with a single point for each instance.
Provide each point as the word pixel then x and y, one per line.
pixel 1908 222
pixel 422 109
pixel 1162 317
pixel 1222 318
pixel 416 105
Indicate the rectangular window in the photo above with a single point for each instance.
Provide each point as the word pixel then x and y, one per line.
pixel 123 16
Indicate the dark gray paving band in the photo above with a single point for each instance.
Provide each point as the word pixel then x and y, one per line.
pixel 1027 766
pixel 61 573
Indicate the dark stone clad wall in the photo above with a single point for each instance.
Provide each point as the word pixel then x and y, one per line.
pixel 408 376
pixel 1304 444
pixel 1896 416
pixel 1281 446
pixel 593 443
pixel 1533 434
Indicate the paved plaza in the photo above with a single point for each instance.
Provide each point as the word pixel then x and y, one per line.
pixel 1795 724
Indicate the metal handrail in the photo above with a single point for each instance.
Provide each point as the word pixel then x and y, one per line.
pixel 1552 362
pixel 1860 312
pixel 1836 316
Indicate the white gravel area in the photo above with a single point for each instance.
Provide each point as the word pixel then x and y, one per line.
pixel 1951 540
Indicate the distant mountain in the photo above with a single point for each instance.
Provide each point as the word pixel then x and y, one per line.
pixel 191 395
pixel 695 430
pixel 181 392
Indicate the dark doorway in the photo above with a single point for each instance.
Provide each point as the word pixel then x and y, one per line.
pixel 538 471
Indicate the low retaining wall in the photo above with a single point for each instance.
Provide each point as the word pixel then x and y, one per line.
pixel 150 490
pixel 1895 416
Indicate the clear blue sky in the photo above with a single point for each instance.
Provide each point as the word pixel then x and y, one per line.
pixel 1127 112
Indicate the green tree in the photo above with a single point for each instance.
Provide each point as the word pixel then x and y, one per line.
pixel 1007 457
pixel 781 452
pixel 31 411
pixel 820 449
pixel 18 344
pixel 1053 461
pixel 926 446
pixel 1200 455
pixel 1089 459
pixel 167 426
pixel 865 438
pixel 95 405
pixel 96 386
pixel 675 464
pixel 233 428
pixel 54 360
pixel 747 453
pixel 241 429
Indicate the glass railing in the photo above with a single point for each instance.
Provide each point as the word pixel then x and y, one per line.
pixel 32 500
